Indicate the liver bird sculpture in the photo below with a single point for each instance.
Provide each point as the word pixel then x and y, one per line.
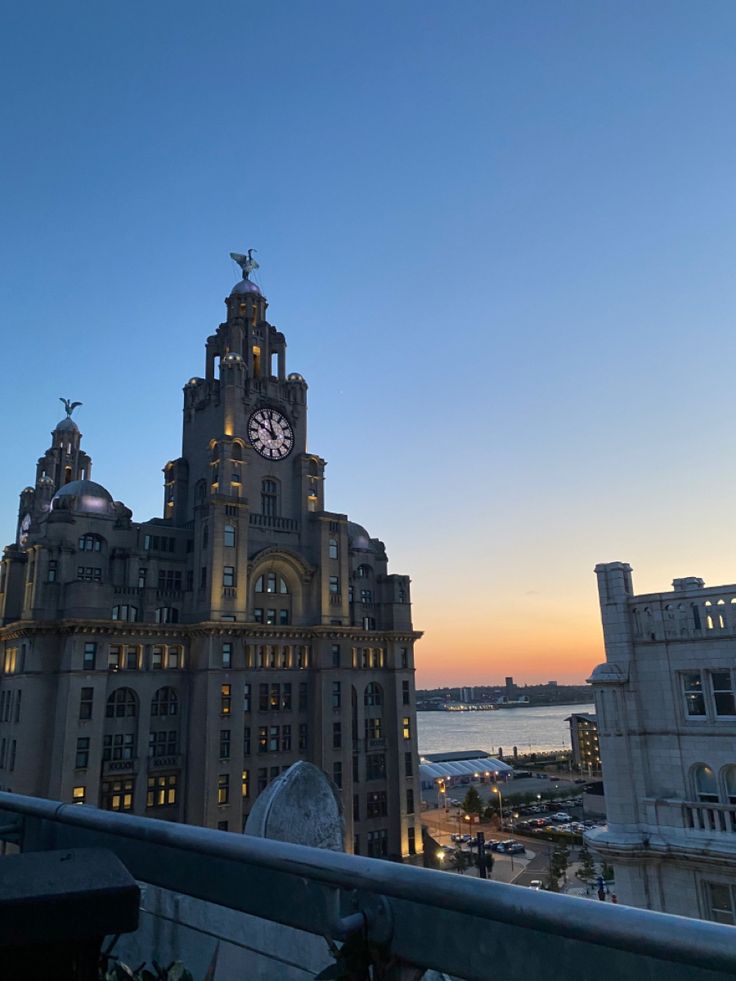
pixel 69 406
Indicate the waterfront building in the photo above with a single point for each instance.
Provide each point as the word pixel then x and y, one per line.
pixel 586 753
pixel 174 667
pixel 666 710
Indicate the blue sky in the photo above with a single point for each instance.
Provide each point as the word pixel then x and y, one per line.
pixel 498 237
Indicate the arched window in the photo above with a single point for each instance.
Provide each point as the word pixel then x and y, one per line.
pixel 167 614
pixel 164 702
pixel 373 694
pixel 122 704
pixel 729 783
pixel 229 536
pixel 269 498
pixel 90 543
pixel 364 572
pixel 237 452
pixel 706 788
pixel 125 612
pixel 271 583
pixel 215 455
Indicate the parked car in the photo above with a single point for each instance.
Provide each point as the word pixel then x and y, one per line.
pixel 536 884
pixel 539 823
pixel 515 848
pixel 561 817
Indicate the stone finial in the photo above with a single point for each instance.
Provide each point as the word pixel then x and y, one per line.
pixel 301 806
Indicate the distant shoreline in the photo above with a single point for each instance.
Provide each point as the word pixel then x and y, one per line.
pixel 512 705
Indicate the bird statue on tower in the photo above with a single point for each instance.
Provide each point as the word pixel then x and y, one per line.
pixel 246 262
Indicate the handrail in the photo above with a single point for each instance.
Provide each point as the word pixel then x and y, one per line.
pixel 437 920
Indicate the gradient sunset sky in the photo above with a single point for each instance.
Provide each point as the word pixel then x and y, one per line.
pixel 499 238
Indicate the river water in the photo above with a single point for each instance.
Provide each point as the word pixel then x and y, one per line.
pixel 535 729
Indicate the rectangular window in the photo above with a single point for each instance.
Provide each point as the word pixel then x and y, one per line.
pixel 246 697
pixel 271 616
pixel 114 659
pixel 373 729
pixel 692 685
pixel 335 655
pixel 376 805
pixel 337 773
pixel 356 768
pixel 142 578
pixel 332 549
pixel 223 788
pixel 85 703
pixel 228 575
pixel 378 843
pixel 157 658
pixel 275 698
pixel 258 615
pixel 225 699
pixel 246 741
pixel 404 656
pixel 227 655
pixel 245 784
pixel 410 801
pixel 18 697
pixel 161 790
pixel 52 571
pixel 336 735
pixel 263 698
pixel 262 779
pixel 719 898
pixel 286 698
pixel 10 660
pixel 90 656
pixel 273 739
pixel 366 596
pixel 356 807
pixel 375 766
pixel 117 795
pixel 224 744
pixel 283 617
pixel 409 764
pixel 411 843
pixel 404 692
pixel 11 761
pixel 302 696
pixel 131 658
pixel 406 727
pixel 79 795
pixel 303 736
pixel 174 659
pixel 334 584
pixel 286 739
pixel 336 695
pixel 81 760
pixel 118 747
pixel 723 695
pixel 262 739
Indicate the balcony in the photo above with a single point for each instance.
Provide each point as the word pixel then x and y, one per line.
pixel 272 904
pixel 274 522
pixel 709 817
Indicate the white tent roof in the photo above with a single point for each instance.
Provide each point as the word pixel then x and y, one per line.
pixel 463 768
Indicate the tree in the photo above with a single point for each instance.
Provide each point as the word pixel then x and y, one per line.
pixel 587 866
pixel 607 872
pixel 472 804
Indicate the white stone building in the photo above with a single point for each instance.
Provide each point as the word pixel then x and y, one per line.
pixel 666 708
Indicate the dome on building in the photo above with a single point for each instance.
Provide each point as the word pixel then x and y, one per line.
pixel 358 538
pixel 83 495
pixel 67 425
pixel 243 287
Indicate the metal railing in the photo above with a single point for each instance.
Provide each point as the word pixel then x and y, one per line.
pixel 470 928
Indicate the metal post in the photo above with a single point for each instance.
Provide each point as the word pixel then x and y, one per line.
pixel 481 840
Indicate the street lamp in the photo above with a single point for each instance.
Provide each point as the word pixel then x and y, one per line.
pixel 497 790
pixel 441 789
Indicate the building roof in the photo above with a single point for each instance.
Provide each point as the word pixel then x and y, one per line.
pixel 83 495
pixel 481 766
pixel 243 287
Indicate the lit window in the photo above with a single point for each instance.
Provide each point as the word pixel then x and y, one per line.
pixel 79 795
pixel 225 699
pixel 692 685
pixel 245 784
pixel 406 727
pixel 161 790
pixel 223 788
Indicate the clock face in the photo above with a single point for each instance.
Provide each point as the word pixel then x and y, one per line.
pixel 271 434
pixel 25 527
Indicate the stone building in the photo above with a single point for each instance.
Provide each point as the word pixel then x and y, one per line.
pixel 174 667
pixel 666 709
pixel 585 748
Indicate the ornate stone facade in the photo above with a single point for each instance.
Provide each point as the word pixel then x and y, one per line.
pixel 174 667
pixel 666 710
